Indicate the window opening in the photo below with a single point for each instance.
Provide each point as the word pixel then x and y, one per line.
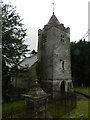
pixel 62 38
pixel 62 87
pixel 62 64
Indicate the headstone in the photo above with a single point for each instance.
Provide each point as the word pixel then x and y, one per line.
pixel 36 101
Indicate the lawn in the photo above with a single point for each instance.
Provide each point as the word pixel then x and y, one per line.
pixel 15 107
pixel 67 108
pixel 81 110
pixel 61 106
pixel 84 90
pixel 56 110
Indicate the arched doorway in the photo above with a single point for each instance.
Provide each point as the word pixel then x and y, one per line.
pixel 62 87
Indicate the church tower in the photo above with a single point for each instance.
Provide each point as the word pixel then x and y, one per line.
pixel 54 57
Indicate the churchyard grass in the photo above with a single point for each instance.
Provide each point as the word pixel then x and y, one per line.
pixel 13 107
pixel 84 90
pixel 54 108
pixel 62 106
pixel 81 110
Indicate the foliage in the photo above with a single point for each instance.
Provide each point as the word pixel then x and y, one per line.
pixel 13 47
pixel 13 36
pixel 80 62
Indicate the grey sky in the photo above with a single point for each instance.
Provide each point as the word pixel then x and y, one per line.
pixel 36 13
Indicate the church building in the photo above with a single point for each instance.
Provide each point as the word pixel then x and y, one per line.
pixel 54 57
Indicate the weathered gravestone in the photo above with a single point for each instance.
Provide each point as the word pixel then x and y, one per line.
pixel 36 101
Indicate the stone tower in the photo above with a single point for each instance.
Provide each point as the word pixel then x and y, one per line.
pixel 54 57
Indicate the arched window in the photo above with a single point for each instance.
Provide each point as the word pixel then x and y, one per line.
pixel 62 87
pixel 62 64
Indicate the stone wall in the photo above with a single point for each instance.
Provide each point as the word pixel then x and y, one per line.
pixel 24 78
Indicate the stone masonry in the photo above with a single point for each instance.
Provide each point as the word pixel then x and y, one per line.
pixel 54 57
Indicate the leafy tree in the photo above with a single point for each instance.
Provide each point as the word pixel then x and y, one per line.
pixel 13 37
pixel 80 62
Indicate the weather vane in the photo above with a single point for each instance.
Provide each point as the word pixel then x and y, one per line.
pixel 53 8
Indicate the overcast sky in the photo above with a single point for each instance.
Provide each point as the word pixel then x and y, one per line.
pixel 36 13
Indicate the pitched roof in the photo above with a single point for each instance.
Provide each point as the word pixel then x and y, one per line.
pixel 53 20
pixel 29 61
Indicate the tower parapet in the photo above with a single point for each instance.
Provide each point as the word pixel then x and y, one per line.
pixel 39 32
pixel 53 22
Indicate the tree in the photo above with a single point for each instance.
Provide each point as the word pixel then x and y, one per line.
pixel 13 37
pixel 80 62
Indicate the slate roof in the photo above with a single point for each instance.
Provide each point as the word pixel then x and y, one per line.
pixel 29 61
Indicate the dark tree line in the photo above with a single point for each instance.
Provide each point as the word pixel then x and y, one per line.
pixel 80 63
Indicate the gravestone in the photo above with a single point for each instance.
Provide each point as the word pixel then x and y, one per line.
pixel 36 101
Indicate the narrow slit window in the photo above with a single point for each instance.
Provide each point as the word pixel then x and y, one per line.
pixel 63 65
